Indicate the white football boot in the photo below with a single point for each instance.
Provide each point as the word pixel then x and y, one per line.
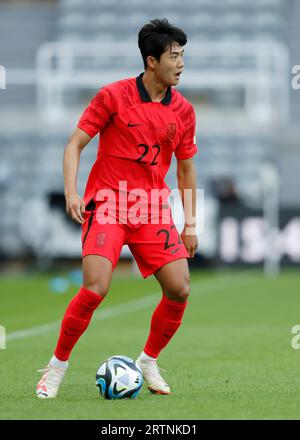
pixel 48 386
pixel 151 374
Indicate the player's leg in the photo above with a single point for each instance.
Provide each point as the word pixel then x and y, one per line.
pixel 159 250
pixel 97 274
pixel 166 319
pixel 175 284
pixel 102 245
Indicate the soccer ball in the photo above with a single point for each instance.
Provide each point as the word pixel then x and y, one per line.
pixel 119 377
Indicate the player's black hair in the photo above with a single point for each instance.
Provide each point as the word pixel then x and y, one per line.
pixel 157 36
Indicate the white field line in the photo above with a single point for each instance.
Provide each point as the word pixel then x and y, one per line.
pixel 208 286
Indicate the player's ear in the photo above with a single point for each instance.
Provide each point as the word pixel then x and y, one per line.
pixel 151 62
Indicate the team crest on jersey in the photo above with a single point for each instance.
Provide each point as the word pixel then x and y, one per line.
pixel 100 240
pixel 171 130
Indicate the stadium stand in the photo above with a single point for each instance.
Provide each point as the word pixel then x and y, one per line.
pixel 231 145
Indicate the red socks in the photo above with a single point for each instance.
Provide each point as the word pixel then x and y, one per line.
pixel 76 320
pixel 165 321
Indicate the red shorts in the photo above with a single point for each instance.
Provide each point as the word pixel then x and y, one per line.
pixel 153 243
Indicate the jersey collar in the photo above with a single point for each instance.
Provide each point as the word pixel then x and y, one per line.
pixel 145 95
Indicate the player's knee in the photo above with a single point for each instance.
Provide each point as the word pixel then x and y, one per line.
pixel 184 291
pixel 99 287
pixel 179 291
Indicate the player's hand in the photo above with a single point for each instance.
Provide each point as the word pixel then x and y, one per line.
pixel 75 207
pixel 190 240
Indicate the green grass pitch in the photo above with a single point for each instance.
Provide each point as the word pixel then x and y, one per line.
pixel 231 359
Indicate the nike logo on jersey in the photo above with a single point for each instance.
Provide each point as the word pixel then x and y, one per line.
pixel 133 125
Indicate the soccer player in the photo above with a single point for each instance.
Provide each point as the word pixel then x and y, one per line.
pixel 141 121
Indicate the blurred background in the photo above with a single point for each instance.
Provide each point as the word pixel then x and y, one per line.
pixel 242 65
pixel 238 75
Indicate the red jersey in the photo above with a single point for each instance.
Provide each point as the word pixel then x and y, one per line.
pixel 137 136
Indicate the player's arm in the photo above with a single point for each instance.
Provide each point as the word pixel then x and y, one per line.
pixel 186 177
pixel 74 203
